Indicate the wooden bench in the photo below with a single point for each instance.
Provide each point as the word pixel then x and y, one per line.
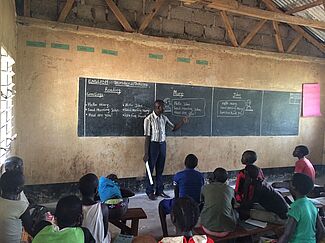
pixel 133 214
pixel 242 232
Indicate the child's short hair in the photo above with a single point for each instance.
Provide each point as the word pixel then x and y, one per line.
pixel 302 183
pixel 185 213
pixel 252 171
pixel 220 175
pixel 12 182
pixel 14 163
pixel 302 149
pixel 191 161
pixel 249 157
pixel 88 184
pixel 113 177
pixel 68 211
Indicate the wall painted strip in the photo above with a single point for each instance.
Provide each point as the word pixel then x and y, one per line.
pixel 183 59
pixel 36 43
pixel 85 48
pixel 156 56
pixel 109 52
pixel 60 46
pixel 202 62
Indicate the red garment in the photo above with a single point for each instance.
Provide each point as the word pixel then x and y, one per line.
pixel 191 240
pixel 239 188
pixel 304 166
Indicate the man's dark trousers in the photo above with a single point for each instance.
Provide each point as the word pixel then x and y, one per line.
pixel 157 157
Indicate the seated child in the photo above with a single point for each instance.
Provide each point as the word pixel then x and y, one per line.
pixel 184 215
pixel 68 215
pixel 218 217
pixel 95 214
pixel 187 182
pixel 14 163
pixel 14 211
pixel 303 165
pixel 263 193
pixel 113 196
pixel 248 158
pixel 304 224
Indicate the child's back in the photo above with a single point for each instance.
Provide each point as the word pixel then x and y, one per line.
pixel 12 208
pixel 248 158
pixel 303 224
pixel 95 214
pixel 217 213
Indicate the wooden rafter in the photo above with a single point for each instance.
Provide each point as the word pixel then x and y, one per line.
pixel 304 7
pixel 119 15
pixel 233 6
pixel 251 35
pixel 278 39
pixel 66 10
pixel 298 29
pixel 230 32
pixel 27 8
pixel 150 16
pixel 294 43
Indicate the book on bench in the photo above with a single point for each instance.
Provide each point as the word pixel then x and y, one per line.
pixel 256 223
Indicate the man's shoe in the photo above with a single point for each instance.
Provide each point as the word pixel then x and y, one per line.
pixel 162 194
pixel 152 197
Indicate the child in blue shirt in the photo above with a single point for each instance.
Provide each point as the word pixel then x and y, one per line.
pixel 187 183
pixel 304 224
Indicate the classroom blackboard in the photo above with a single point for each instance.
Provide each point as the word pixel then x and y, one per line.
pixel 281 112
pixel 118 108
pixel 113 107
pixel 236 112
pixel 187 100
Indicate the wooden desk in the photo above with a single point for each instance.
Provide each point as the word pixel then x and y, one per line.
pixel 241 232
pixel 133 214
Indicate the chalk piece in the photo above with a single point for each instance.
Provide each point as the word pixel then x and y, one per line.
pixel 85 48
pixel 36 43
pixel 109 52
pixel 183 59
pixel 155 56
pixel 202 62
pixel 60 46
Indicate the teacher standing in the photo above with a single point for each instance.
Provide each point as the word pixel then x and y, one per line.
pixel 155 146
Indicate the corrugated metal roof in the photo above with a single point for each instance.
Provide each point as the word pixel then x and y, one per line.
pixel 316 13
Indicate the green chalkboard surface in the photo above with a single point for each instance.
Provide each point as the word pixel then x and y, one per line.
pixel 187 100
pixel 117 108
pixel 112 107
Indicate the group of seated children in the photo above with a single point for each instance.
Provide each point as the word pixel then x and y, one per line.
pixel 215 207
pixel 76 220
pixel 221 207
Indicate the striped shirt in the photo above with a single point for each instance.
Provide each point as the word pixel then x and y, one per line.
pixel 155 126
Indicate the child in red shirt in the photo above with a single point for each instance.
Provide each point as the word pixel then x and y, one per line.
pixel 303 165
pixel 248 158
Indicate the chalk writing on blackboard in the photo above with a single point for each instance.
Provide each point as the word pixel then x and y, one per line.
pixel 294 99
pixel 233 108
pixel 191 107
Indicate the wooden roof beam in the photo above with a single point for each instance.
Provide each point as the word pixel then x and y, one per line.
pixel 66 10
pixel 294 43
pixel 254 31
pixel 119 15
pixel 237 8
pixel 304 7
pixel 230 32
pixel 150 16
pixel 27 8
pixel 298 29
pixel 278 40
